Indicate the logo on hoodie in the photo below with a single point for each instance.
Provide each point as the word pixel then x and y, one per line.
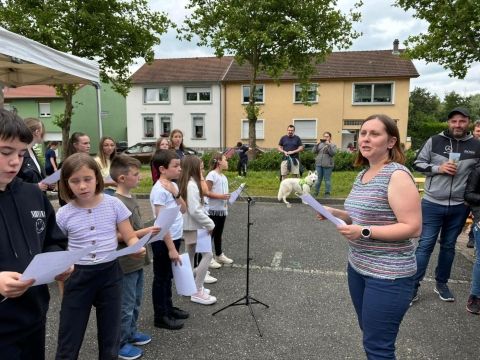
pixel 39 217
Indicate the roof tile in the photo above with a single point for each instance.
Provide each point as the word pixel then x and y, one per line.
pixel 30 91
pixel 346 64
pixel 199 69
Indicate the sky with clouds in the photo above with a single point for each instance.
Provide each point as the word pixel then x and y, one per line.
pixel 381 23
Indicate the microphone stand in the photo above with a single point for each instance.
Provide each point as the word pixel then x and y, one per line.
pixel 247 299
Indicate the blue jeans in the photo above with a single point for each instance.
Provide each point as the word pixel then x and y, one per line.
pixel 380 305
pixel 132 292
pixel 476 267
pixel 324 172
pixel 447 221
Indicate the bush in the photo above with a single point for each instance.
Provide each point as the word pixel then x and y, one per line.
pixel 410 158
pixel 344 161
pixel 269 160
pixel 307 158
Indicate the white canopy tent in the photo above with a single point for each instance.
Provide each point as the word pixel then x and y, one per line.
pixel 27 62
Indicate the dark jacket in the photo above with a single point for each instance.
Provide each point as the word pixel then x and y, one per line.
pixel 472 193
pixel 29 171
pixel 444 189
pixel 27 227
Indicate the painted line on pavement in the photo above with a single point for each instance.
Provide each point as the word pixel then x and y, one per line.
pixel 277 259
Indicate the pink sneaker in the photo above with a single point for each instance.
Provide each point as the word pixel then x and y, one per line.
pixel 203 298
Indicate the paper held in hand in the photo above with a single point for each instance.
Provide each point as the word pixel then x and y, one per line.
pixel 234 195
pixel 52 179
pixel 310 200
pixel 204 241
pixel 129 249
pixel 44 267
pixel 165 219
pixel 183 277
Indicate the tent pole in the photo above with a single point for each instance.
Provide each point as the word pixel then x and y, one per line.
pixel 99 110
pixel 2 99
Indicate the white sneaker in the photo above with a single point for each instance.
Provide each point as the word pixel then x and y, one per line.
pixel 206 291
pixel 214 265
pixel 209 279
pixel 223 259
pixel 203 298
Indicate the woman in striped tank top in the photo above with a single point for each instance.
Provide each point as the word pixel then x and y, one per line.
pixel 382 213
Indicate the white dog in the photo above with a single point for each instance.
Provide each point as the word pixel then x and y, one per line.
pixel 287 186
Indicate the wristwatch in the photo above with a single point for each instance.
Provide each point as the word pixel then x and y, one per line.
pixel 365 233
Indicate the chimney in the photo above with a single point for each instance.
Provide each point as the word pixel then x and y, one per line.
pixel 395 47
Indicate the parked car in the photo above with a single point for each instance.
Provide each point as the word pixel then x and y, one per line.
pixel 308 146
pixel 144 150
pixel 121 146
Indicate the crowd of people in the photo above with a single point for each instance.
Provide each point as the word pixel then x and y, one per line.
pixel 382 216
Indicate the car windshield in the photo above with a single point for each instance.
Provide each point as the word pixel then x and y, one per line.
pixel 135 149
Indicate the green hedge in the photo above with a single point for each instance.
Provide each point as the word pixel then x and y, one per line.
pixel 270 160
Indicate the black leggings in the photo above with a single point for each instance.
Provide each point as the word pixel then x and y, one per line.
pixel 217 232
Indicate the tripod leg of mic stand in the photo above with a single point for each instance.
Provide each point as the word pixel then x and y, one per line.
pixel 255 301
pixel 235 303
pixel 254 318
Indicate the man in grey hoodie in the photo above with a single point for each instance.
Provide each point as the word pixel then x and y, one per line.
pixel 447 160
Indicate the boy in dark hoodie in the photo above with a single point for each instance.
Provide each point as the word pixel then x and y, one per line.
pixel 27 227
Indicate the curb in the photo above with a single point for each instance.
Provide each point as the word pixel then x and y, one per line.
pixel 265 199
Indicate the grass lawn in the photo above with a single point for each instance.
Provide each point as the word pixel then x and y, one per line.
pixel 263 183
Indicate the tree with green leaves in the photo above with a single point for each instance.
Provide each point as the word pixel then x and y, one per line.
pixel 451 101
pixel 272 37
pixel 474 107
pixel 452 36
pixel 423 116
pixel 113 32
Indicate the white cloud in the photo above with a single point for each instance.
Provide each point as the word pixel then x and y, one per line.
pixel 381 23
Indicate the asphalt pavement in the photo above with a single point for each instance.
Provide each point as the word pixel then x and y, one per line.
pixel 298 269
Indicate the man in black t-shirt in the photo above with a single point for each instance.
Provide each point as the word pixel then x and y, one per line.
pixel 290 146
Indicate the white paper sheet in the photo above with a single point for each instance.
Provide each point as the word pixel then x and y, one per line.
pixel 165 219
pixel 204 241
pixel 234 196
pixel 52 179
pixel 44 267
pixel 129 249
pixel 309 199
pixel 183 277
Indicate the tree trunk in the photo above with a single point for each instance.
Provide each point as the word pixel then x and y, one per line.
pixel 67 94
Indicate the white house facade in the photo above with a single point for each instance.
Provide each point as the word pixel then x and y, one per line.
pixel 154 110
pixel 184 94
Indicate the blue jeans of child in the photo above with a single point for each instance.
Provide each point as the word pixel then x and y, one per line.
pixel 447 219
pixel 324 172
pixel 132 293
pixel 476 267
pixel 380 305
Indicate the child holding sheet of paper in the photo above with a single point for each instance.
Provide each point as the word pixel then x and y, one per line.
pixel 125 171
pixel 27 228
pixel 196 218
pixel 218 193
pixel 165 194
pixel 91 218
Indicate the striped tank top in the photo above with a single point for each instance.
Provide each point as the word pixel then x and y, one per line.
pixel 367 204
